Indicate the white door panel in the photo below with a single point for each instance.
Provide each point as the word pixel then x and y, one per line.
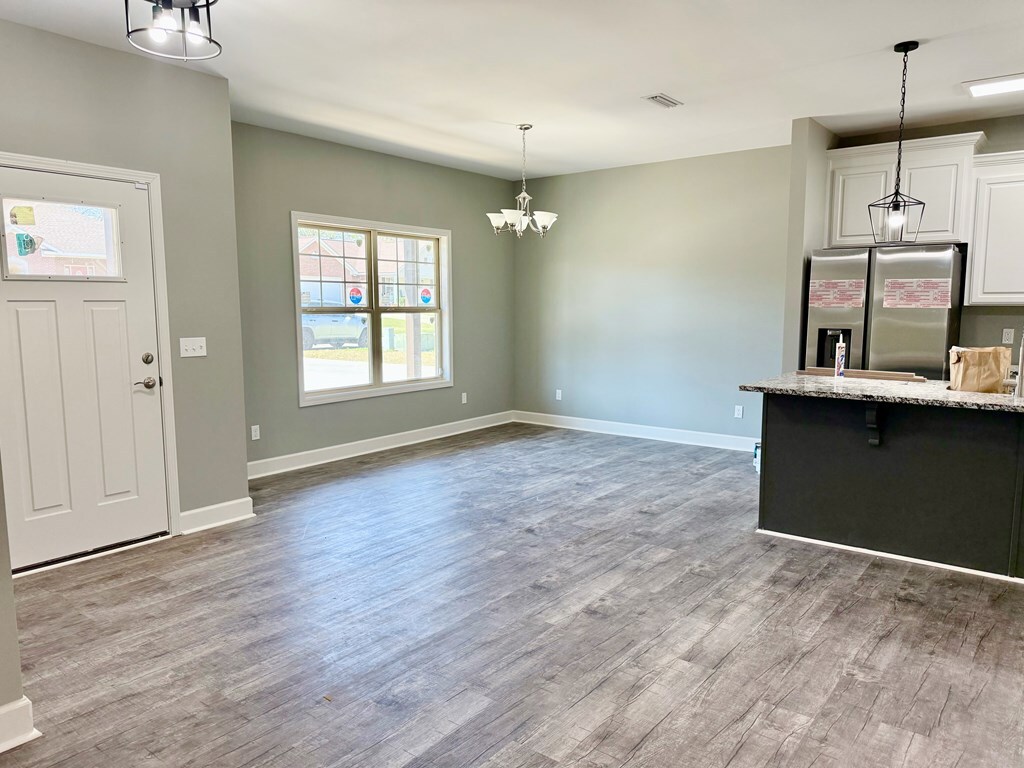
pixel 107 359
pixel 35 374
pixel 81 444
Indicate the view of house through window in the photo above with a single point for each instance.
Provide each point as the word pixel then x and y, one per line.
pixel 62 241
pixel 370 312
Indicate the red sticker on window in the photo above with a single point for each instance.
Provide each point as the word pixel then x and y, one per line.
pixel 355 296
pixel 426 295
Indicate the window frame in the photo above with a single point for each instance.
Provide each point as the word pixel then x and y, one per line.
pixel 444 308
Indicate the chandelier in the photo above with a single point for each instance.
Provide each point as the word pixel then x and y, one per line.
pixel 896 218
pixel 172 29
pixel 519 218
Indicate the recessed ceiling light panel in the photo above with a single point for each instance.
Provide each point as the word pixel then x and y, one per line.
pixel 993 86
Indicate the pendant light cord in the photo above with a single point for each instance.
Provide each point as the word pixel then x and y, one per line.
pixel 524 155
pixel 899 141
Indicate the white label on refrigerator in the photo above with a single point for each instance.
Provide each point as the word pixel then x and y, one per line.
pixel 836 294
pixel 917 293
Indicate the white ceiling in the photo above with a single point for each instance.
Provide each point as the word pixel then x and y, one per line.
pixel 446 81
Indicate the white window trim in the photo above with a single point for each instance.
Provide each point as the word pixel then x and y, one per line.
pixel 444 237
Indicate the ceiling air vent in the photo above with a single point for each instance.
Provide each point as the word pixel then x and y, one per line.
pixel 663 100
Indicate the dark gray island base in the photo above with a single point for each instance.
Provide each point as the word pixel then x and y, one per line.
pixel 910 469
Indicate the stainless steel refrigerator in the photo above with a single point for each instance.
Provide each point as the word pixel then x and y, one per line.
pixel 897 308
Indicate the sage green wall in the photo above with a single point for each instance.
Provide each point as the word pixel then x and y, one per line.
pixel 658 292
pixel 89 104
pixel 277 173
pixel 1004 134
pixel 10 659
pixel 807 195
pixel 980 326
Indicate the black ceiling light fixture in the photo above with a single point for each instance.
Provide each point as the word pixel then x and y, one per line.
pixel 896 218
pixel 172 29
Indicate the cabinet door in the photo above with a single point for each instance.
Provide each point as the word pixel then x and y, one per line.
pixel 997 259
pixel 937 178
pixel 853 189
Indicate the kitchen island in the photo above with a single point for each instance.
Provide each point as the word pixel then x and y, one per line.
pixel 905 468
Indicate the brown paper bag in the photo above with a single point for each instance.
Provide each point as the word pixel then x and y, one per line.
pixel 978 369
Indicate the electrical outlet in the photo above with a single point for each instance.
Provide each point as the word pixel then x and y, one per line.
pixel 465 398
pixel 558 394
pixel 193 347
pixel 255 430
pixel 1007 335
pixel 737 412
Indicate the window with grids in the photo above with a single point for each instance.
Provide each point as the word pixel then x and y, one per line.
pixel 371 309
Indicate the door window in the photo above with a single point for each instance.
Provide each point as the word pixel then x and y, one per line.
pixel 51 240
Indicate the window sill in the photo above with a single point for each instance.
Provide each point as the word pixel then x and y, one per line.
pixel 335 396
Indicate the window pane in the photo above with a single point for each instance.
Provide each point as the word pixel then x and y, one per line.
pixel 309 240
pixel 408 249
pixel 387 271
pixel 62 240
pixel 387 247
pixel 332 269
pixel 426 251
pixel 332 295
pixel 389 295
pixel 335 351
pixel 309 294
pixel 355 270
pixel 409 343
pixel 427 274
pixel 357 295
pixel 309 267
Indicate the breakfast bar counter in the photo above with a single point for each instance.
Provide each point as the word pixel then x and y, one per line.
pixel 905 468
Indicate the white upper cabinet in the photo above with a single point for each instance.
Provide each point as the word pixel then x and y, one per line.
pixel 853 188
pixel 996 257
pixel 935 171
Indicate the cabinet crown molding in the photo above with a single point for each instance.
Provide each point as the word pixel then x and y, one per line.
pixel 975 140
pixel 999 158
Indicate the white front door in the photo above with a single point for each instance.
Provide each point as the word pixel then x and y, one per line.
pixel 81 429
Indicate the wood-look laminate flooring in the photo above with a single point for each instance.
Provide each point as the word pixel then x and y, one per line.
pixel 519 597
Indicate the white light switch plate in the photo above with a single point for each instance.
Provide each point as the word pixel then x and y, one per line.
pixel 193 347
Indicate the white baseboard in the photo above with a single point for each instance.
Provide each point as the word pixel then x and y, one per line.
pixel 890 556
pixel 292 461
pixel 195 520
pixel 16 727
pixel 665 434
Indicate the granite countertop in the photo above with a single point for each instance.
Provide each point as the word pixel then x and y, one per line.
pixel 879 391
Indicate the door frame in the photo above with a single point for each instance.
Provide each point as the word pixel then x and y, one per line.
pixel 151 181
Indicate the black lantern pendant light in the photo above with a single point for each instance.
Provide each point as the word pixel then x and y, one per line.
pixel 896 218
pixel 172 29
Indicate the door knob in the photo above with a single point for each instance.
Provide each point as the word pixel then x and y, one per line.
pixel 149 382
